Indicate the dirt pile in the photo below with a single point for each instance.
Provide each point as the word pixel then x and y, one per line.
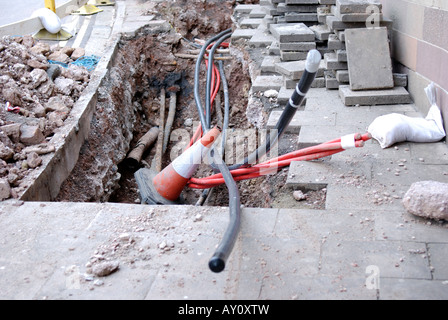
pixel 36 96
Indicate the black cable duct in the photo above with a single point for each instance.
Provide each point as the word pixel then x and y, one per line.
pixel 218 260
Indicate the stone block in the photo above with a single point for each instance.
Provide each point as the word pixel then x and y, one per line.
pixel 368 56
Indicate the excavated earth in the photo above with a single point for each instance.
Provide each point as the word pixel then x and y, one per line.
pixel 36 97
pixel 128 105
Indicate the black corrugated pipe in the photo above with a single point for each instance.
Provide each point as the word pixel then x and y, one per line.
pixel 312 66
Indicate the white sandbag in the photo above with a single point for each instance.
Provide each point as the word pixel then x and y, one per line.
pixel 49 19
pixel 394 128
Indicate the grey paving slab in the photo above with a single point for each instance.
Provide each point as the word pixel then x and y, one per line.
pixel 301 118
pixel 292 32
pixel 397 95
pixel 263 83
pixel 356 6
pixel 332 62
pixel 243 33
pixel 430 153
pixel 261 38
pixel 268 63
pixel 321 31
pixel 308 173
pixel 399 225
pixel 251 23
pixel 410 289
pixel 312 135
pixel 438 256
pixel 361 16
pixel 409 173
pixel 393 259
pixel 298 46
pixel 294 69
pixel 293 55
pixel 368 57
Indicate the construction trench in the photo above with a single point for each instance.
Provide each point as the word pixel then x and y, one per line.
pixel 140 112
pixel 163 68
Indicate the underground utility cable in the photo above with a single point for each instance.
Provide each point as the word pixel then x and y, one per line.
pixel 311 67
pixel 202 115
pixel 218 261
pixel 209 77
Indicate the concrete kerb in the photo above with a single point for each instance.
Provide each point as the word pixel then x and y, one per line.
pixel 68 141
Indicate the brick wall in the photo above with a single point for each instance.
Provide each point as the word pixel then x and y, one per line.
pixel 420 46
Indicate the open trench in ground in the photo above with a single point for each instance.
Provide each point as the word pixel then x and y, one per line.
pixel 128 105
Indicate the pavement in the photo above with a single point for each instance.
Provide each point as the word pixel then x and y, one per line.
pixel 362 246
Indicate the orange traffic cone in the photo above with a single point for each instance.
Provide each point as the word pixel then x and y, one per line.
pixel 170 182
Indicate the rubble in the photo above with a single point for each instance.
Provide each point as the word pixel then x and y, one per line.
pixel 427 199
pixel 36 97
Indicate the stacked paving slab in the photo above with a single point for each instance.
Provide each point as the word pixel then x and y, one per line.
pixel 288 42
pixel 360 66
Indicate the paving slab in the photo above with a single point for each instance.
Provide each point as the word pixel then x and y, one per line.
pixel 301 118
pixel 397 95
pixel 295 69
pixel 263 83
pixel 411 289
pixel 356 6
pixel 292 32
pixel 368 57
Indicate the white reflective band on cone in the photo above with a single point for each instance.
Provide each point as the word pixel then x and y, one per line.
pixel 187 163
pixel 348 141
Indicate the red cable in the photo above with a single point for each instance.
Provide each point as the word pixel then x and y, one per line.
pixel 274 165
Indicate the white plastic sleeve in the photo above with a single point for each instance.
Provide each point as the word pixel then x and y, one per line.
pixel 348 142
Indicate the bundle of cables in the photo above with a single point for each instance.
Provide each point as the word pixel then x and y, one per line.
pixel 249 168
